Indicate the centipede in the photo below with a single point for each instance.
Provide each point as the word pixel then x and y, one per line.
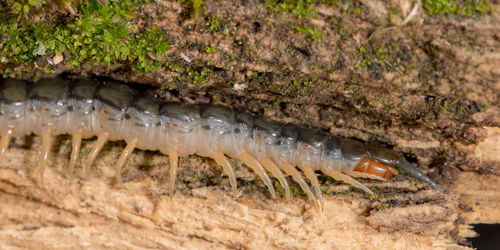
pixel 111 111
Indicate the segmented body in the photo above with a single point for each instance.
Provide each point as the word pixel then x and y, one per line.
pixel 115 111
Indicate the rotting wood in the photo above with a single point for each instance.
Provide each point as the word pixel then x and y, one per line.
pixel 433 105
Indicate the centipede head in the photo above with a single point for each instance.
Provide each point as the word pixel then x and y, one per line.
pixel 383 155
pixel 393 158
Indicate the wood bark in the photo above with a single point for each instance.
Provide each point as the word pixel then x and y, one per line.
pixel 430 89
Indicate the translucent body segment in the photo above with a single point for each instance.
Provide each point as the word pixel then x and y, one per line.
pixel 179 126
pixel 114 99
pixel 240 134
pixel 124 156
pixel 83 108
pixel 48 100
pixel 101 139
pixel 264 138
pixel 75 149
pixel 216 131
pixel 332 155
pixel 347 179
pixel 310 148
pixel 14 104
pixel 352 153
pixel 222 161
pixel 270 166
pixel 297 177
pixel 286 150
pixel 173 157
pixel 5 141
pixel 142 120
pixel 251 162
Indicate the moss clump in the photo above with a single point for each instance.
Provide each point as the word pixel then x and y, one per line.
pixel 213 24
pixel 195 7
pixel 210 49
pixel 29 10
pixel 311 33
pixel 198 74
pixel 99 34
pixel 469 8
pixel 299 8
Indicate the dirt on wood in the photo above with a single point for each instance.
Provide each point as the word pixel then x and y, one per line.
pixel 429 89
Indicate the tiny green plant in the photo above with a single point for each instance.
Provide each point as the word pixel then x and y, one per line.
pixel 100 33
pixel 468 8
pixel 311 33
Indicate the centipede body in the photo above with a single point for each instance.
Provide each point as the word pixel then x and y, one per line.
pixel 113 110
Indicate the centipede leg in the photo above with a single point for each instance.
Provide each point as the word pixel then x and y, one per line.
pixel 276 172
pixel 46 145
pixel 4 143
pixel 347 179
pixel 123 157
pixel 222 161
pixel 101 139
pixel 173 157
pixel 251 162
pixel 309 173
pixel 77 141
pixel 366 175
pixel 297 177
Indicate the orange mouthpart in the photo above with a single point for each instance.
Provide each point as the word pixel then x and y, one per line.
pixel 375 168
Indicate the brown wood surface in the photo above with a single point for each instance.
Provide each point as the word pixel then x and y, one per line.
pixel 433 94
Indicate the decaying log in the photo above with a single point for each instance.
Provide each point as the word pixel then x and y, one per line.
pixel 430 89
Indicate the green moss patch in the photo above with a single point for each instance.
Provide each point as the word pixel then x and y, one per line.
pixel 469 8
pixel 99 34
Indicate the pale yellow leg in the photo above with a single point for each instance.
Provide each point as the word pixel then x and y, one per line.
pixel 276 172
pixel 309 173
pixel 101 139
pixel 219 157
pixel 4 143
pixel 46 145
pixel 297 177
pixel 123 157
pixel 393 170
pixel 77 141
pixel 366 175
pixel 347 179
pixel 251 162
pixel 173 157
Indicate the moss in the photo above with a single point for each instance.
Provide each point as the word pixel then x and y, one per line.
pixel 299 8
pixel 99 34
pixel 210 49
pixel 213 24
pixel 198 74
pixel 469 8
pixel 311 32
pixel 31 10
pixel 195 7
